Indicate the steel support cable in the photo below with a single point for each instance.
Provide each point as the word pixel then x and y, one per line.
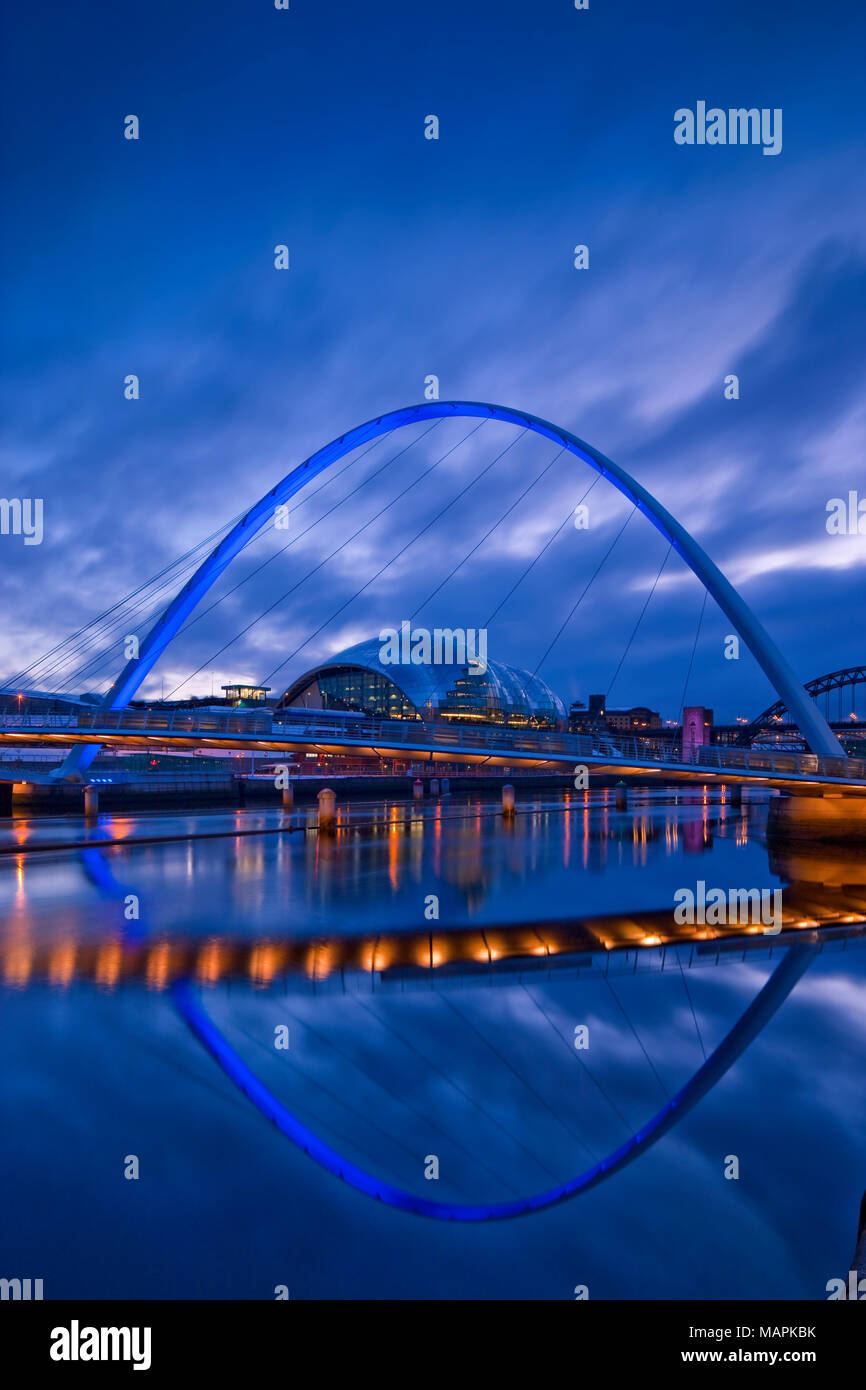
pixel 460 1090
pixel 189 562
pixel 309 574
pixel 522 1079
pixel 313 524
pixel 396 557
pixel 487 533
pixel 566 1042
pixel 763 1007
pixel 72 637
pixel 103 660
pixel 90 660
pixel 639 621
pixel 93 665
pixel 692 1007
pixel 599 567
pixel 627 1018
pixel 516 585
pixel 407 1105
pixel 335 1096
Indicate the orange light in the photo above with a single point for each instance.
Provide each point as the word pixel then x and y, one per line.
pixel 62 966
pixel 209 964
pixel 108 964
pixel 158 966
pixel 263 964
pixel 18 965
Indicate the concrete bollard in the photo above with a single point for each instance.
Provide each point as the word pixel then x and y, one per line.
pixel 508 801
pixel 91 803
pixel 417 789
pixel 288 796
pixel 434 786
pixel 327 811
pixel 446 786
pixel 621 796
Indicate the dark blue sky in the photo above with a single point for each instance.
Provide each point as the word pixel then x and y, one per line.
pixel 454 257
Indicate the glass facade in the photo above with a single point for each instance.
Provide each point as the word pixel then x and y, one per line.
pixel 357 689
pixel 357 681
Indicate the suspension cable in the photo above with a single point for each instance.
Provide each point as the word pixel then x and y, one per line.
pixel 639 621
pixel 487 533
pixel 563 625
pixel 322 563
pixel 95 663
pixel 544 548
pixel 401 551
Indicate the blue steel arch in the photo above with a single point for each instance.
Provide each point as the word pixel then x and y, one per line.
pixel 793 965
pixel 812 725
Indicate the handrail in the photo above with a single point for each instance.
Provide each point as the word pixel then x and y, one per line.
pixel 416 735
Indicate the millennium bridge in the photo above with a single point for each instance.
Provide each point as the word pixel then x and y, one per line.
pixel 416 741
pixel 824 770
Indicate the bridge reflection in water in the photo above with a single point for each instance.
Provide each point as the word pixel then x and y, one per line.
pixel 381 871
pixel 400 1049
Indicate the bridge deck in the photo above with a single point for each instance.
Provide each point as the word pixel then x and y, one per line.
pixel 414 741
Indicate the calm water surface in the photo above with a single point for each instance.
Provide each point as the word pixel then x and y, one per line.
pixel 479 1071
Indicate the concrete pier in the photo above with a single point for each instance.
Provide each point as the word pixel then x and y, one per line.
pixel 417 789
pixel 327 811
pixel 832 817
pixel 91 803
pixel 288 796
pixel 508 801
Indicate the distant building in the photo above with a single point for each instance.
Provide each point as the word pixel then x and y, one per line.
pixel 596 717
pixel 697 727
pixel 358 680
pixel 634 720
pixel 242 695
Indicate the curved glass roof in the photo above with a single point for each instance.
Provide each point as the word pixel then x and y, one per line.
pixel 499 689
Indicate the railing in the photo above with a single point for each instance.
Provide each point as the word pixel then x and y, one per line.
pixel 415 736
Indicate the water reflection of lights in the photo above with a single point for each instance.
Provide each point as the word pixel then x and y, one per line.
pixel 209 965
pixel 159 966
pixel 108 963
pixel 264 963
pixel 61 970
pixel 161 962
pixel 18 965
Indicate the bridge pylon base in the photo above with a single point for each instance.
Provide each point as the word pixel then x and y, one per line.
pixel 832 817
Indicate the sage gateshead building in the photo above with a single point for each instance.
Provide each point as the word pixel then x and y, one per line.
pixel 358 681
